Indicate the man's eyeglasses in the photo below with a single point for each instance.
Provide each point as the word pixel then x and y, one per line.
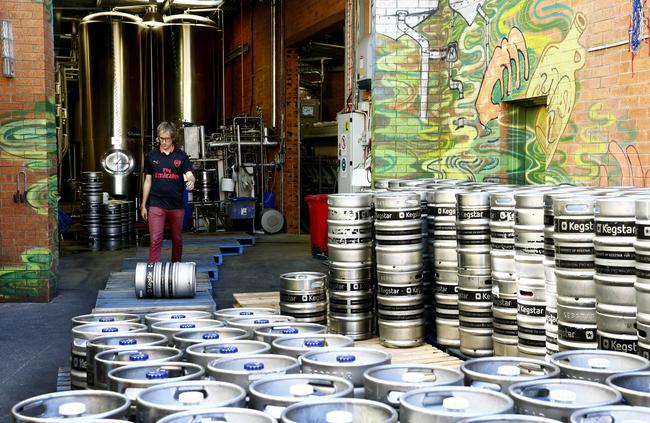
pixel 159 139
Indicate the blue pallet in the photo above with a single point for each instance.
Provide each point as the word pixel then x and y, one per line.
pixel 218 258
pixel 214 274
pixel 244 239
pixel 230 247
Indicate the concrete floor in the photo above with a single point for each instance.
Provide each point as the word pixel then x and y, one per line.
pixel 35 338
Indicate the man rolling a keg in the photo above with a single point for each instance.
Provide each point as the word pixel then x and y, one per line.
pixel 165 169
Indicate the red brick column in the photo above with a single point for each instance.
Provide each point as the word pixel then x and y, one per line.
pixel 292 142
pixel 28 230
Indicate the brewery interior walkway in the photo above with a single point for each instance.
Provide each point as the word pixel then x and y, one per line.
pixel 35 338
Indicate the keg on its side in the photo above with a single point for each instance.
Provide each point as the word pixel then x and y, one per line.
pixel 165 280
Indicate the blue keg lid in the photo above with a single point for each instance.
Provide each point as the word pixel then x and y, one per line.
pixel 210 335
pixel 345 358
pixel 246 313
pixel 178 316
pixel 314 342
pixel 252 366
pixel 228 349
pixel 138 356
pixel 109 329
pixel 290 331
pixel 187 326
pixel 157 374
pixel 128 341
pixel 106 319
pixel 261 321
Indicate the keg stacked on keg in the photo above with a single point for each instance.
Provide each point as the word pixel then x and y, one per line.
pixel 350 284
pixel 92 197
pixel 504 280
pixel 442 222
pixel 303 295
pixel 615 273
pixel 113 219
pixel 529 267
pixel 400 303
pixel 642 284
pixel 474 273
pixel 574 270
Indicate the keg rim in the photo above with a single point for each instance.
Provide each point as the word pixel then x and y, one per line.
pixel 84 329
pixel 308 356
pixel 234 312
pixel 130 317
pixel 238 398
pixel 392 414
pixel 121 410
pixel 178 336
pixel 553 369
pixel 263 347
pixel 584 412
pixel 558 358
pixel 514 391
pixel 162 339
pixel 220 411
pixel 368 375
pixel 404 404
pixel 169 324
pixel 613 382
pixel 279 343
pixel 175 355
pixel 515 418
pixel 199 372
pixel 254 386
pixel 265 330
pixel 294 363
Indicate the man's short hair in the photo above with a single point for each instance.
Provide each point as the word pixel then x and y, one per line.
pixel 168 127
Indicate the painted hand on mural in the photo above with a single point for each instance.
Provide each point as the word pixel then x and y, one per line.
pixel 554 78
pixel 506 53
pixel 629 162
pixel 468 9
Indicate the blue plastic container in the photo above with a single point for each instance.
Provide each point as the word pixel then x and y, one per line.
pixel 269 200
pixel 242 208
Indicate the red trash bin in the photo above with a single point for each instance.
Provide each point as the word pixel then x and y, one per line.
pixel 317 223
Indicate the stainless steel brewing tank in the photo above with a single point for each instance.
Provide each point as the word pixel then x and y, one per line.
pixel 186 87
pixel 111 91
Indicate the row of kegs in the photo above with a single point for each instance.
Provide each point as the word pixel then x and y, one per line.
pixel 295 373
pixel 500 269
pixel 101 219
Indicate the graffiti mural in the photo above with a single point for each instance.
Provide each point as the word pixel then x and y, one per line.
pixel 453 79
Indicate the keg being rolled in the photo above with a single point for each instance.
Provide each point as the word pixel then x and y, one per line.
pixel 165 280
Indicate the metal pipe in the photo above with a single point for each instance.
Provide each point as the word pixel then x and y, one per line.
pixel 283 108
pixel 176 4
pixel 273 68
pixel 202 139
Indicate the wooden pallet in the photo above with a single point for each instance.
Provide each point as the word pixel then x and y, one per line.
pixel 257 299
pixel 115 301
pixel 123 281
pixel 423 354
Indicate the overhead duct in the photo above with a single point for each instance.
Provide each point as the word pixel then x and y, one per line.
pixel 174 4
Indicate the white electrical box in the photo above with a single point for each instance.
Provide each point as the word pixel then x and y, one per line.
pixel 353 152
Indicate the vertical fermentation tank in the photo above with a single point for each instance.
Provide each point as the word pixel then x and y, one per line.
pixel 111 92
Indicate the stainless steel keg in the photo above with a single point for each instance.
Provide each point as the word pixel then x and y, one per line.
pixel 243 371
pixel 339 410
pixel 400 315
pixel 349 224
pixel 529 234
pixel 112 359
pixel 271 333
pixel 616 313
pixel 206 352
pixel 388 383
pixel 297 345
pixel 475 316
pixel 171 327
pixel 175 315
pixel 82 334
pixel 473 222
pixel 303 296
pixel 576 327
pixel 185 338
pixel 105 318
pixel 249 324
pixel 71 406
pixel 165 280
pixel 447 320
pixel 274 394
pixel 612 413
pixel 226 314
pixel 574 233
pixel 131 380
pixel 559 398
pixel 348 363
pixel 221 414
pixel 504 315
pixel 502 232
pixel 160 401
pixel 117 341
pixel 449 404
pixel 634 386
pixel 597 365
pixel 531 318
pixel 499 373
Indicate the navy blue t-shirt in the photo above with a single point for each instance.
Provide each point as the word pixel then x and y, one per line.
pixel 167 172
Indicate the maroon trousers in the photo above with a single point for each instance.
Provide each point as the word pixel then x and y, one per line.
pixel 157 218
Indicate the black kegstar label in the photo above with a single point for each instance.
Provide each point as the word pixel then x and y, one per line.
pixel 393 291
pixel 644 352
pixel 474 214
pixel 508 247
pixel 620 345
pixel 357 286
pixel 642 231
pixel 148 282
pixel 502 215
pixel 531 310
pixel 446 289
pixel 613 228
pixel 583 334
pixel 551 318
pixel 398 215
pixel 568 226
pixel 308 298
pixel 502 235
pixel 474 296
pixel 442 211
pixel 350 214
pixel 504 302
pixel 349 241
pixel 78 362
pixel 530 250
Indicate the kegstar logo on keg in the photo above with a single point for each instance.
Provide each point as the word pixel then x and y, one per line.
pixel 615 229
pixel 445 211
pixel 573 226
pixel 502 215
pixel 642 231
pixel 474 214
pixel 530 310
pixel 620 345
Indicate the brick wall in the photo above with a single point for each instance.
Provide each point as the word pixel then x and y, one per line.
pixel 292 140
pixel 544 89
pixel 28 231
